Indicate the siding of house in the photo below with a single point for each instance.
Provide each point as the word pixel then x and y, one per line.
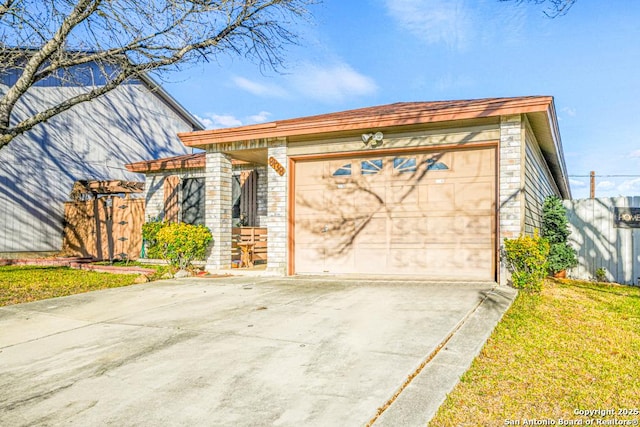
pixel 538 185
pixel 91 141
pixel 600 244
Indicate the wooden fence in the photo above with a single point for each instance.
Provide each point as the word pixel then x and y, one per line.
pixel 602 242
pixel 104 228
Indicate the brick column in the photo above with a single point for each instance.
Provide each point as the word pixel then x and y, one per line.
pixel 277 210
pixel 218 209
pixel 511 181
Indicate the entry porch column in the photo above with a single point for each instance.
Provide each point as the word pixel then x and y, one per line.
pixel 277 215
pixel 218 213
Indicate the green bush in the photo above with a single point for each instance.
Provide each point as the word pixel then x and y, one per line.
pixel 526 258
pixel 601 274
pixel 555 229
pixel 182 243
pixel 150 238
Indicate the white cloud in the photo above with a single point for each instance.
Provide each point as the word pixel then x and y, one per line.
pixel 261 117
pixel 332 83
pixel 208 123
pixel 577 183
pixel 216 121
pixel 630 187
pixel 259 89
pixel 434 21
pixel 569 111
pixel 605 185
pixel 635 153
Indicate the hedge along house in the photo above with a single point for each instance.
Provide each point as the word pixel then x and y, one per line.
pixel 419 188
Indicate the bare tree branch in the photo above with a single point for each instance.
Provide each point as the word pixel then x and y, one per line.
pixel 100 44
pixel 556 7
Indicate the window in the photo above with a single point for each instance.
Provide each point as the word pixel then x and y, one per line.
pixel 433 165
pixel 371 167
pixel 404 164
pixel 344 170
pixel 193 201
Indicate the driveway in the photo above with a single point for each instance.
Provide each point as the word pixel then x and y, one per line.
pixel 242 351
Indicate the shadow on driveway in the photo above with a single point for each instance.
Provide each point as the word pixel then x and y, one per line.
pixel 235 351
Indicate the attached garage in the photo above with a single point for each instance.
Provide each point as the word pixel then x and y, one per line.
pixel 428 213
pixel 427 189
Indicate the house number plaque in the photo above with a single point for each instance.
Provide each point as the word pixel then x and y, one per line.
pixel 276 166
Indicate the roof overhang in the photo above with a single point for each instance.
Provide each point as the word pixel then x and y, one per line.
pixel 385 116
pixel 187 161
pixel 540 111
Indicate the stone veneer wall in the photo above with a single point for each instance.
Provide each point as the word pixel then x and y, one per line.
pixel 262 196
pixel 511 173
pixel 277 210
pixel 218 208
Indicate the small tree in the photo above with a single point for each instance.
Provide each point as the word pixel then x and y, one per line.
pixel 555 229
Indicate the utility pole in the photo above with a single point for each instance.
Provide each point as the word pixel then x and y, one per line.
pixel 593 184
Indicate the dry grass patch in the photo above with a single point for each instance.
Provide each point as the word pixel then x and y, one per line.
pixel 576 345
pixel 19 284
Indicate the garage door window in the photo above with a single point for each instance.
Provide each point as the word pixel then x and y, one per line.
pixel 344 170
pixel 371 167
pixel 433 165
pixel 404 164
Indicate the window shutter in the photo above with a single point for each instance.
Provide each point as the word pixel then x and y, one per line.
pixel 248 201
pixel 171 198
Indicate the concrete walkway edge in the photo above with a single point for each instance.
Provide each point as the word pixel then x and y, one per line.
pixel 419 401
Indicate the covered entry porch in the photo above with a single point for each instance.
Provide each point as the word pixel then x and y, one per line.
pixel 269 158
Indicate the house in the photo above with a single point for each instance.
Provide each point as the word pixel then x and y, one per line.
pixel 415 188
pixel 89 142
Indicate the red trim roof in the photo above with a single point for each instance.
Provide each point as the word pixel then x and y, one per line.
pixel 391 115
pixel 187 161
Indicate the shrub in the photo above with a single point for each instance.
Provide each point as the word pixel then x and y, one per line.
pixel 182 243
pixel 150 238
pixel 601 274
pixel 526 258
pixel 555 229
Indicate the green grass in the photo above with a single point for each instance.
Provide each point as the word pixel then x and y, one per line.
pixel 19 284
pixel 576 345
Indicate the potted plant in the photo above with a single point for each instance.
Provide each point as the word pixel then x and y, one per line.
pixel 555 229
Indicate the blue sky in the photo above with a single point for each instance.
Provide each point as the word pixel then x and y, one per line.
pixel 372 52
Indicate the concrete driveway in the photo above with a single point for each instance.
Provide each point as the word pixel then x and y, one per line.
pixel 242 351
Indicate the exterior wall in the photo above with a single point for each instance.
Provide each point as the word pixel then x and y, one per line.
pixel 154 191
pixel 263 191
pixel 511 177
pixel 600 244
pixel 277 216
pixel 218 209
pixel 539 184
pixel 93 140
pixel 418 138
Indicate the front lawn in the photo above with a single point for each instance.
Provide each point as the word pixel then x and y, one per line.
pixel 574 347
pixel 19 284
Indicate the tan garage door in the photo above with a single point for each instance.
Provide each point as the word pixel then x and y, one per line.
pixel 431 214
